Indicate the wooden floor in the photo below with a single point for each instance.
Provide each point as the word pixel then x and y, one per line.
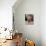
pixel 9 43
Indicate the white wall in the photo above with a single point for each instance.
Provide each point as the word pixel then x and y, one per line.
pixel 29 31
pixel 43 22
pixel 6 13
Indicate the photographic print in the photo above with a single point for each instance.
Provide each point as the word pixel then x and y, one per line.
pixel 29 19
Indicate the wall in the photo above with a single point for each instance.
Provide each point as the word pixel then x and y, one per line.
pixel 43 22
pixel 6 13
pixel 29 31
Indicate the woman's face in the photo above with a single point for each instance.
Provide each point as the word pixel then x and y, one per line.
pixel 29 18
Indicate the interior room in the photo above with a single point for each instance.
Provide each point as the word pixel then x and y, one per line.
pixel 22 22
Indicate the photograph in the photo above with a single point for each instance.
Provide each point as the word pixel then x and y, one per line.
pixel 29 19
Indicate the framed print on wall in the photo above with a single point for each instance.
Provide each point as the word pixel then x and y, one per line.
pixel 29 19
